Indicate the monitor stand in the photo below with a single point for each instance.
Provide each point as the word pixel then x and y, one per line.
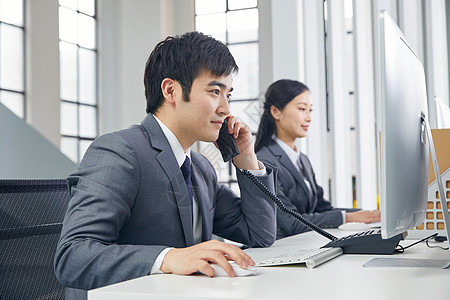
pixel 437 173
pixel 425 263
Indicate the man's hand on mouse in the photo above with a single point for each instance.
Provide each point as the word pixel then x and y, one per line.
pixel 197 258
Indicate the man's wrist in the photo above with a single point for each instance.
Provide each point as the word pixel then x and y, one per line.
pixel 247 162
pixel 156 268
pixel 344 216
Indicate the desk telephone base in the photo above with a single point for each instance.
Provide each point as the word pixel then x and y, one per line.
pixel 367 242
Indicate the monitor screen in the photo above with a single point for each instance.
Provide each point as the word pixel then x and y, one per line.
pixel 403 169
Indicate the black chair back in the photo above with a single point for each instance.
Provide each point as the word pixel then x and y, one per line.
pixel 31 215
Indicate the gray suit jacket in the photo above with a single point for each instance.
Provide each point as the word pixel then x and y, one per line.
pixel 130 201
pixel 292 190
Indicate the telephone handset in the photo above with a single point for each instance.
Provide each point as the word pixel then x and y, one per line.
pixel 226 143
pixel 368 243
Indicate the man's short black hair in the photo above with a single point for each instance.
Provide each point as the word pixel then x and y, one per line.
pixel 183 58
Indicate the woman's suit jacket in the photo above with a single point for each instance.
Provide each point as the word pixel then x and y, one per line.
pixel 292 190
pixel 130 201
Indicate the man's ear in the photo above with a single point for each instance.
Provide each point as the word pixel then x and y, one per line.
pixel 275 112
pixel 168 89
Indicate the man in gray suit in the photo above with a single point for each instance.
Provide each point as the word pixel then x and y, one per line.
pixel 134 213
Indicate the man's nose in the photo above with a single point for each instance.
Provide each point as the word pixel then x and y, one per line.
pixel 224 106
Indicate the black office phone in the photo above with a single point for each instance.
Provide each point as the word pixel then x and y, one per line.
pixel 368 242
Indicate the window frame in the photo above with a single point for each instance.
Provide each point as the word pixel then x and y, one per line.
pixel 23 92
pixel 79 138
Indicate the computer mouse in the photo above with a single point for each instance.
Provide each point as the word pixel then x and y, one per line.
pixel 354 226
pixel 251 270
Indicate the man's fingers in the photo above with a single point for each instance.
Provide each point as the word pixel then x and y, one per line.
pixel 232 252
pixel 222 262
pixel 206 269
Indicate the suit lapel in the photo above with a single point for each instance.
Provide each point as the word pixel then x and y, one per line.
pixel 168 162
pixel 286 162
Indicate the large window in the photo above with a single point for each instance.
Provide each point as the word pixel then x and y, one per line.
pixel 12 57
pixel 235 23
pixel 78 74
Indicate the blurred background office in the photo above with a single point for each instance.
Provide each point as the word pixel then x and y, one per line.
pixel 71 70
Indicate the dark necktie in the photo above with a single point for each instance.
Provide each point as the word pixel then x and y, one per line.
pixel 186 170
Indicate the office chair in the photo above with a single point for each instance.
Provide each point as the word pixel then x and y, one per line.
pixel 31 214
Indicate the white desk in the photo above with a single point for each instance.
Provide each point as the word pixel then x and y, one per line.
pixel 341 278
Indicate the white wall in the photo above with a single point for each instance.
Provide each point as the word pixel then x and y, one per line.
pixel 436 55
pixel 128 32
pixel 42 68
pixel 292 47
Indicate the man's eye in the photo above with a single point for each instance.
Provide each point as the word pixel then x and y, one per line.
pixel 217 92
pixel 229 97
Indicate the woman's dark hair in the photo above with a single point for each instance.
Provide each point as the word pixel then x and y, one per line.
pixel 183 58
pixel 279 94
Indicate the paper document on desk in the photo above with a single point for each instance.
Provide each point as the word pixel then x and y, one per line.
pixel 310 257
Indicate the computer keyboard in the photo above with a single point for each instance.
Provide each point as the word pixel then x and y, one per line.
pixel 375 225
pixel 311 257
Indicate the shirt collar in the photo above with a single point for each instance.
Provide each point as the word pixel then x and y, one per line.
pixel 177 149
pixel 291 153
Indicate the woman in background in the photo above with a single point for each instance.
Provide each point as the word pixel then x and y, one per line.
pixel 286 117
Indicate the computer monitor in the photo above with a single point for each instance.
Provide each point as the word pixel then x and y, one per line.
pixel 404 136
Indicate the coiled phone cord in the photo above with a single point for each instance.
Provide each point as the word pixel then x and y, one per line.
pixel 283 208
